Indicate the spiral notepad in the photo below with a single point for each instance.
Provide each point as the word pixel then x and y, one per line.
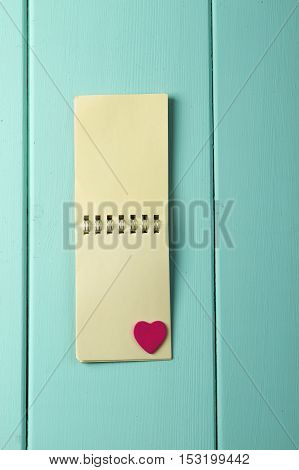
pixel 122 259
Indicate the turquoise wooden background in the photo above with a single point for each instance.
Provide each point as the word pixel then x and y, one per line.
pixel 256 114
pixel 13 238
pixel 228 65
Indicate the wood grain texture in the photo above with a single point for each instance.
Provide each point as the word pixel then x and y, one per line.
pixel 98 47
pixel 13 219
pixel 256 165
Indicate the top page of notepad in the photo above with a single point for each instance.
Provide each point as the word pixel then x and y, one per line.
pixel 125 138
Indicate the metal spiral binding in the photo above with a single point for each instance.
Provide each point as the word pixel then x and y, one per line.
pixel 157 224
pixel 145 224
pixel 98 224
pixel 121 224
pixel 110 224
pixel 133 224
pixel 86 225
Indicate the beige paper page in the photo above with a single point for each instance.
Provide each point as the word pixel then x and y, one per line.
pixel 121 169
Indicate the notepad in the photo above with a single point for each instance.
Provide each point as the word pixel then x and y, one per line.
pixel 121 213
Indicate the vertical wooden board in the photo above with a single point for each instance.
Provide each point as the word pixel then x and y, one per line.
pixel 104 47
pixel 256 165
pixel 13 218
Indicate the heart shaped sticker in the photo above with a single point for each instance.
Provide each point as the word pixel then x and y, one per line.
pixel 150 336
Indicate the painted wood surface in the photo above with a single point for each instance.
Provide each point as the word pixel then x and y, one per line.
pixel 98 47
pixel 256 114
pixel 13 220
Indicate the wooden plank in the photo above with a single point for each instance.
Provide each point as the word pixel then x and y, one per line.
pixel 13 199
pixel 103 47
pixel 256 165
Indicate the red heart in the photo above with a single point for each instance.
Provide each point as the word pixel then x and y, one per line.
pixel 150 335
